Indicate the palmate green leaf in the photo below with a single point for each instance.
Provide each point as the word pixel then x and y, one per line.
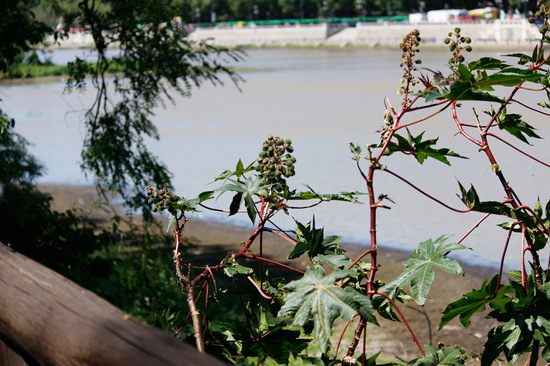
pixel 440 356
pixel 419 273
pixel 316 298
pixel 476 301
pixel 278 344
pixel 470 87
pixel 232 268
pixel 339 261
pixel 467 90
pixel 341 196
pixel 522 58
pixel 266 340
pixel 487 63
pixel 420 149
pixel 356 151
pixel 240 169
pixel 513 124
pixel 510 76
pixel 311 241
pixel 472 201
pixel 503 339
pixel 526 316
pixel 245 191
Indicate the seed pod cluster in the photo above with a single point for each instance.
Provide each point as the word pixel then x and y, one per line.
pixel 162 199
pixel 457 43
pixel 410 48
pixel 275 162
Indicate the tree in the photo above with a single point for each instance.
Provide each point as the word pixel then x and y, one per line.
pixel 157 59
pixel 19 30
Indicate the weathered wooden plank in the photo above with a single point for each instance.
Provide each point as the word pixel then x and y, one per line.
pixel 60 323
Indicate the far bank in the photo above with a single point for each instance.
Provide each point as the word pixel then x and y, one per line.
pixel 493 34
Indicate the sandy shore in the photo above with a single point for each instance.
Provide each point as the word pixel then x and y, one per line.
pixel 216 240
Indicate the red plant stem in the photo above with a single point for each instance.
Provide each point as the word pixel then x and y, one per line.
pixel 501 268
pixel 403 319
pixel 259 288
pixel 502 106
pixel 341 337
pixel 473 228
pixel 460 129
pixel 530 89
pixel 431 106
pixel 543 228
pixel 290 240
pixel 261 262
pixel 253 237
pixel 304 207
pixel 373 237
pixel 246 255
pixel 424 193
pixel 524 248
pixel 424 118
pixel 373 243
pixel 366 252
pixel 364 345
pixel 531 108
pixel 515 202
pixel 356 337
pixel 518 150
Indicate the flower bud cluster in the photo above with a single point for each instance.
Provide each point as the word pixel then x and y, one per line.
pixel 275 162
pixel 457 43
pixel 409 46
pixel 162 199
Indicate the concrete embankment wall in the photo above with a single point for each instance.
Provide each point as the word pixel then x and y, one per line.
pixel 496 33
pixel 314 34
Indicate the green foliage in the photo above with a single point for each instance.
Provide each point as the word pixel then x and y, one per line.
pixel 468 85
pixel 491 293
pixel 154 61
pixel 440 356
pixel 246 190
pixel 419 268
pixel 62 241
pixel 311 241
pixel 513 124
pixel 267 340
pixel 525 317
pixel 318 298
pixel 421 150
pixel 19 26
pixel 16 164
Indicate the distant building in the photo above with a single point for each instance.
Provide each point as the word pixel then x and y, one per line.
pixel 416 18
pixel 445 15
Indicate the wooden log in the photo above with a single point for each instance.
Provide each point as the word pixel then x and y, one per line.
pixel 56 322
pixel 8 357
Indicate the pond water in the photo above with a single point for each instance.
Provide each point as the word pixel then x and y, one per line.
pixel 321 99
